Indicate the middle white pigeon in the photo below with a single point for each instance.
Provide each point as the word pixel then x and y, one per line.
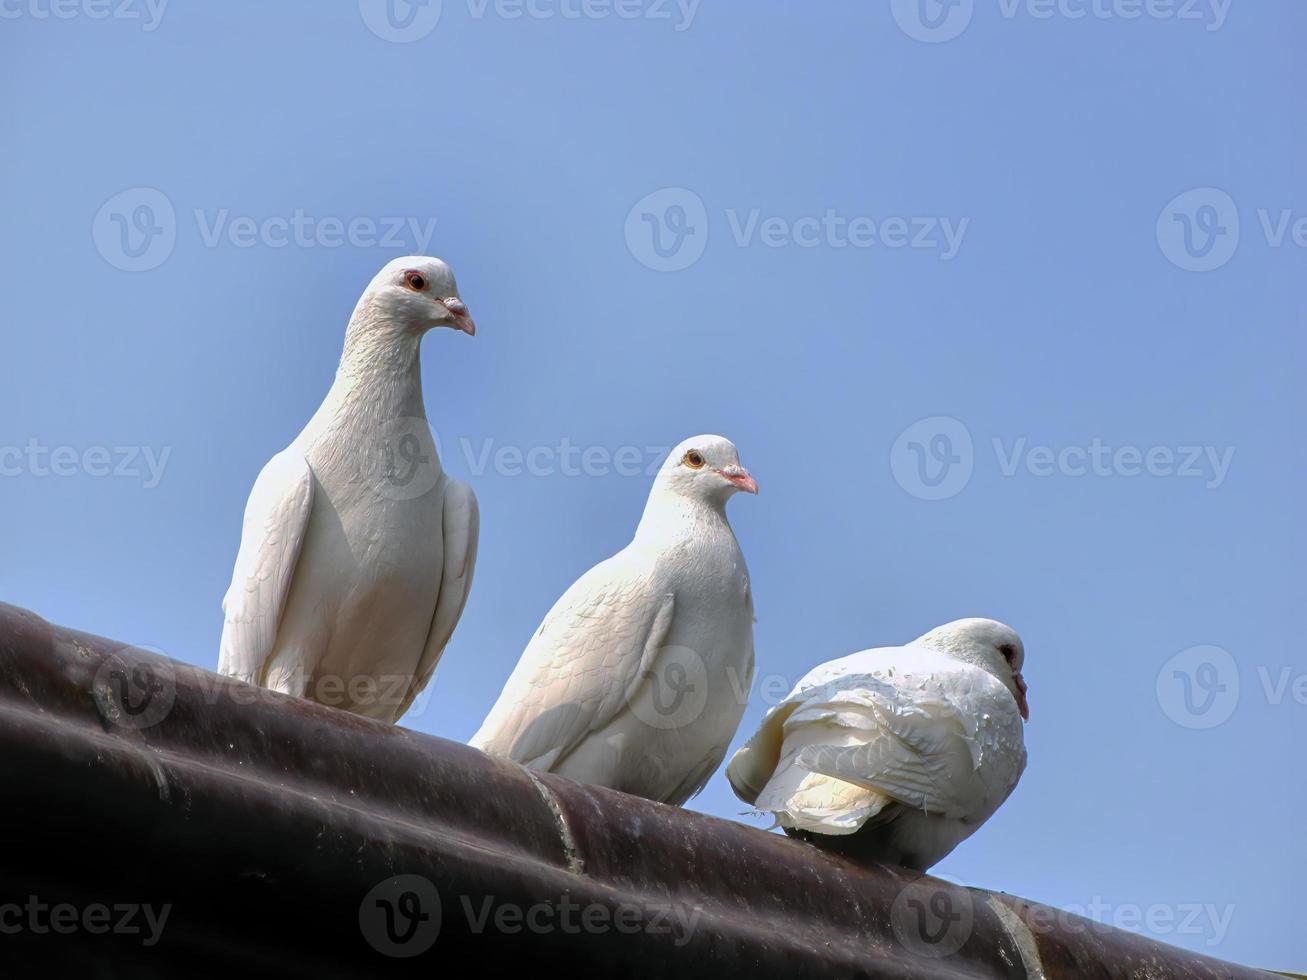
pixel 637 678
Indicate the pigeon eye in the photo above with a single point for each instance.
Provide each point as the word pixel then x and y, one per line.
pixel 693 459
pixel 415 280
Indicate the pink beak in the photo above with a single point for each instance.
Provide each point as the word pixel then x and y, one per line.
pixel 740 477
pixel 461 319
pixel 1022 705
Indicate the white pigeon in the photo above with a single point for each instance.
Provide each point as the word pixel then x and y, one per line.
pixel 895 754
pixel 357 549
pixel 637 678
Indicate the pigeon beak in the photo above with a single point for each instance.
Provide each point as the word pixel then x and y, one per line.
pixel 1022 705
pixel 739 477
pixel 461 319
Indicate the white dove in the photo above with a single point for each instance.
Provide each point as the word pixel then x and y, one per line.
pixel 895 754
pixel 357 549
pixel 637 678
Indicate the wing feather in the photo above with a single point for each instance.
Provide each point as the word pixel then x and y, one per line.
pixel 272 536
pixel 582 666
pixel 461 528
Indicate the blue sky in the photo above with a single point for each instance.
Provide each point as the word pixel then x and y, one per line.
pixel 1002 305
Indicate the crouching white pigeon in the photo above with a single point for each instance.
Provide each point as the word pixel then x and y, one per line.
pixel 895 754
pixel 637 678
pixel 357 550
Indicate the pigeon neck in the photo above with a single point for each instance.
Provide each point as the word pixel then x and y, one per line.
pixel 672 515
pixel 381 370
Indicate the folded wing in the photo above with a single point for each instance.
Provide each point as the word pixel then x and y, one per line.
pixel 272 536
pixel 582 666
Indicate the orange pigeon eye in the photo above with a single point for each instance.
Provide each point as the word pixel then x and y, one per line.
pixel 415 280
pixel 693 459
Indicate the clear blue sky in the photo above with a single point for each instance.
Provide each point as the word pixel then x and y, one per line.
pixel 1068 310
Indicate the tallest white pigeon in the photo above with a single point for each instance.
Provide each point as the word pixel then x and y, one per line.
pixel 357 550
pixel 637 678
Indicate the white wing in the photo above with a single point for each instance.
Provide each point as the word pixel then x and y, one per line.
pixel 461 528
pixel 937 737
pixel 753 764
pixel 583 664
pixel 272 536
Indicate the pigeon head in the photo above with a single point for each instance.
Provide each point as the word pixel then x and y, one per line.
pixel 705 468
pixel 989 645
pixel 413 294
